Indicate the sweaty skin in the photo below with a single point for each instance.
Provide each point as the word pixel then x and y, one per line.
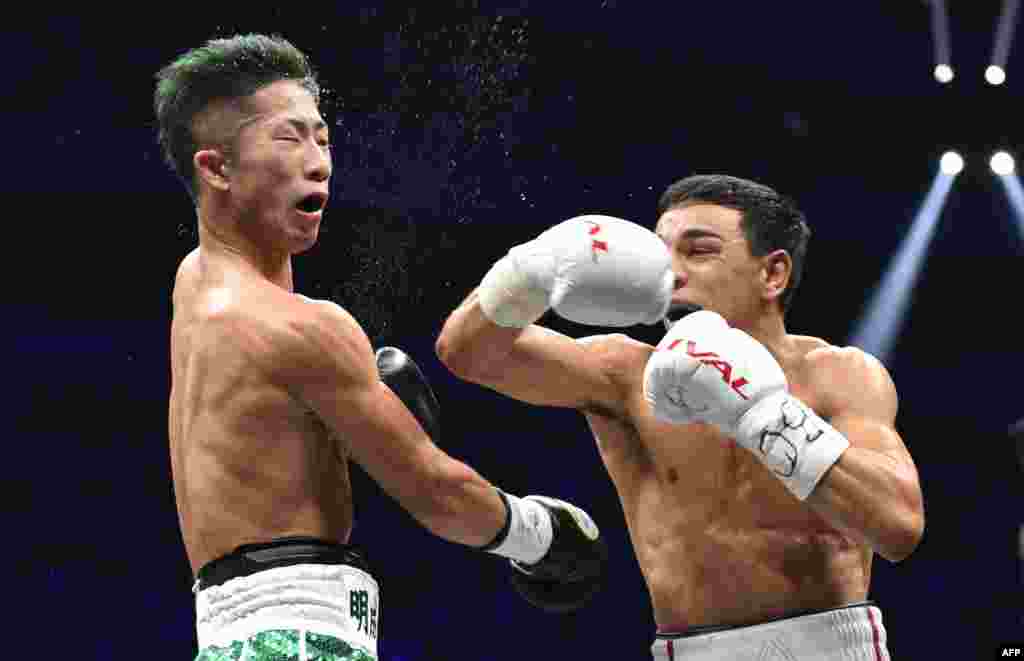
pixel 250 462
pixel 273 393
pixel 719 539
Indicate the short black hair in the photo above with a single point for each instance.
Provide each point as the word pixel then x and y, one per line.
pixel 769 221
pixel 221 70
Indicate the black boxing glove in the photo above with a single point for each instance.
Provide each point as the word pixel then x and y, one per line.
pixel 406 380
pixel 572 569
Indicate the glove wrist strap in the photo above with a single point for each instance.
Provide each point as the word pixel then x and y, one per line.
pixel 528 531
pixel 503 533
pixel 792 441
pixel 508 298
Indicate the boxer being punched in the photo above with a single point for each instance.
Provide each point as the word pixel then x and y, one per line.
pixel 272 393
pixel 759 471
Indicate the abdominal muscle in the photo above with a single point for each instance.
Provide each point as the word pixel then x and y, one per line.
pixel 719 540
pixel 734 575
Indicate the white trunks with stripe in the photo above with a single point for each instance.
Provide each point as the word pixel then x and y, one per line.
pixel 849 633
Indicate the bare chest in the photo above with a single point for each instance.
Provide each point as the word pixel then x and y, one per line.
pixel 694 473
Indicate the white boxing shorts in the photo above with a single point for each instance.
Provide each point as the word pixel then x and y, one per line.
pixel 849 633
pixel 294 598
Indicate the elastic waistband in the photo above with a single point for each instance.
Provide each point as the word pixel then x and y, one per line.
pixel 249 559
pixel 700 630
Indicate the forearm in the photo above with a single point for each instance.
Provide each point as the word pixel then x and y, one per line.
pixel 852 474
pixel 470 342
pixel 469 510
pixel 870 496
pixel 461 506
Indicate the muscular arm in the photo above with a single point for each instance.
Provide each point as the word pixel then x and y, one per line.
pixel 535 365
pixel 872 493
pixel 331 367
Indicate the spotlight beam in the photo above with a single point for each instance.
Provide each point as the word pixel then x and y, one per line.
pixel 940 35
pixel 877 329
pixel 1004 33
pixel 1015 193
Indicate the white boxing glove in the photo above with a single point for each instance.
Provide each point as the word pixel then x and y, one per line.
pixel 705 371
pixel 594 270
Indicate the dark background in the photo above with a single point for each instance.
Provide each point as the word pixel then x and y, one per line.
pixel 461 129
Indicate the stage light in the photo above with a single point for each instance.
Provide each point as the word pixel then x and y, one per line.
pixel 1002 163
pixel 943 73
pixel 995 75
pixel 996 72
pixel 951 163
pixel 886 312
pixel 1015 194
pixel 940 39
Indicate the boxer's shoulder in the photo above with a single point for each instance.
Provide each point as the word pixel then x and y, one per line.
pixel 322 316
pixel 188 270
pixel 839 373
pixel 225 324
pixel 318 336
pixel 620 354
pixel 824 357
pixel 276 329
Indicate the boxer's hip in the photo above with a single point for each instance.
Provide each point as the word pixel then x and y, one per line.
pixel 854 632
pixel 291 598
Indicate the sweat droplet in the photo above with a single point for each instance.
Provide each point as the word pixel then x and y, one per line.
pixel 417 142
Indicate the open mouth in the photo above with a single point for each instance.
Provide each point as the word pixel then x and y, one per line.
pixel 312 203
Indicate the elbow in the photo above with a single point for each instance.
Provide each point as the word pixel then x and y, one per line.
pixel 458 357
pixel 447 351
pixel 904 538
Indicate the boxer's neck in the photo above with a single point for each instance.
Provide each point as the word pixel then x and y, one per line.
pixel 234 247
pixel 769 329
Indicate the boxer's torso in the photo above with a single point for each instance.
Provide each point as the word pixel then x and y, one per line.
pixel 718 538
pixel 249 461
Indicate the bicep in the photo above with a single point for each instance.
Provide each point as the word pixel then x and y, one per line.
pixel 871 433
pixel 865 410
pixel 547 368
pixel 876 446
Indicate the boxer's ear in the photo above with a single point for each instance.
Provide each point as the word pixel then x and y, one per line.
pixel 776 269
pixel 212 167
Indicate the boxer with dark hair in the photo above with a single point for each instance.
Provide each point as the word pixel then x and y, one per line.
pixel 272 393
pixel 759 471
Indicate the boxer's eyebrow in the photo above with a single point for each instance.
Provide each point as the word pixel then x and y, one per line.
pixel 698 233
pixel 303 126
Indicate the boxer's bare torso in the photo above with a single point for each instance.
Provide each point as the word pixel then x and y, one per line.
pixel 249 461
pixel 718 538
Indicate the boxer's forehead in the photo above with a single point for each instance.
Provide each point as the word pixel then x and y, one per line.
pixel 283 100
pixel 699 219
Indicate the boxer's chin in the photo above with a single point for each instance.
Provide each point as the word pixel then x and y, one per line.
pixel 677 312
